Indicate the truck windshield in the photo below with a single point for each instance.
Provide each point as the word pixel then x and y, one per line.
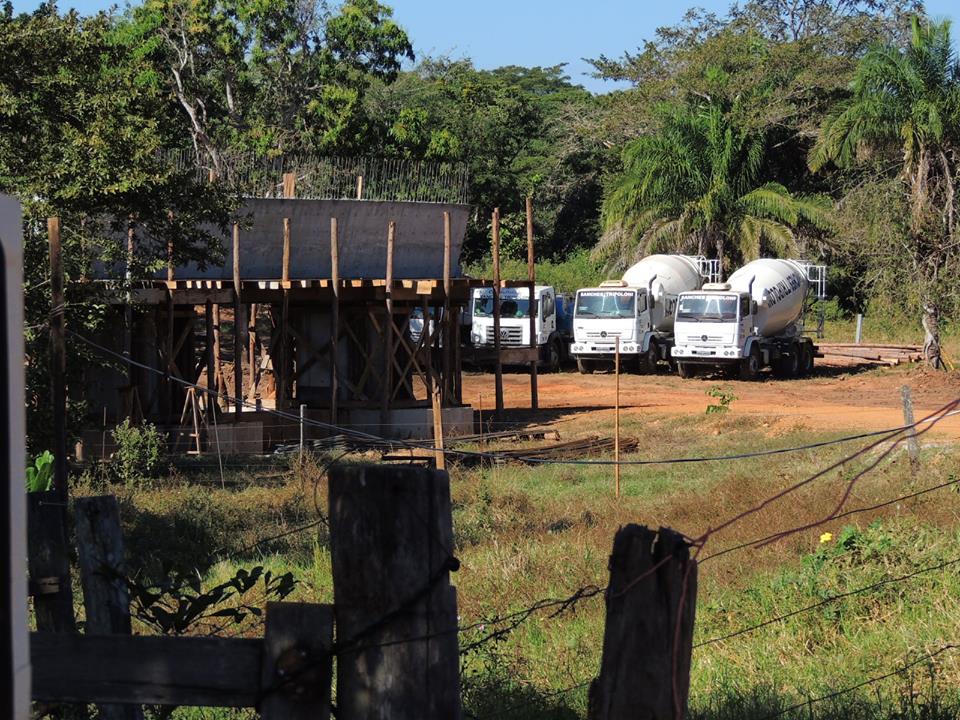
pixel 695 308
pixel 606 304
pixel 509 307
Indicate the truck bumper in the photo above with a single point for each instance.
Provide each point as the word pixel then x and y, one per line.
pixel 706 354
pixel 597 351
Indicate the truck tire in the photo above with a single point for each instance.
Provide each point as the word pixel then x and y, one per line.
pixel 649 362
pixel 806 359
pixel 553 357
pixel 686 370
pixel 750 365
pixel 788 366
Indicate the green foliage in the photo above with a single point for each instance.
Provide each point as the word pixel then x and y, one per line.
pixel 904 112
pixel 701 183
pixel 140 454
pixel 177 605
pixel 724 399
pixel 40 474
pixel 577 270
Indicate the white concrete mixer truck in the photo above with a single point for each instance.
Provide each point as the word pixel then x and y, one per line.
pixel 752 321
pixel 638 310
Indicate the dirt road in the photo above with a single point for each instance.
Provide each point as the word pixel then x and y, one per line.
pixel 841 397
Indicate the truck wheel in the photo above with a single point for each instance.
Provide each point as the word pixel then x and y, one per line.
pixel 686 370
pixel 584 367
pixel 806 359
pixel 649 362
pixel 750 365
pixel 788 366
pixel 552 364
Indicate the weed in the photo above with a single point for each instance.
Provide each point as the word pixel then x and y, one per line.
pixel 140 453
pixel 40 474
pixel 724 397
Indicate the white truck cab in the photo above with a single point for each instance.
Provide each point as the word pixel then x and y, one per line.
pixel 551 325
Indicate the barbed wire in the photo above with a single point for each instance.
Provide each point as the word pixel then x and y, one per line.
pixel 826 601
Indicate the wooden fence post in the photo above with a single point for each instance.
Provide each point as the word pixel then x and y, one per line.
pixel 392 552
pixel 498 368
pixel 913 445
pixel 58 363
pixel 532 279
pixel 48 563
pixel 297 664
pixel 103 578
pixel 648 638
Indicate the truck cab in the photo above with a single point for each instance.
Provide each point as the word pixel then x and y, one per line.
pixel 551 318
pixel 604 316
pixel 711 326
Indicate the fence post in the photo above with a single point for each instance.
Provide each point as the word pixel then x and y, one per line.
pixel 297 664
pixel 913 445
pixel 859 335
pixel 103 578
pixel 48 563
pixel 392 552
pixel 648 638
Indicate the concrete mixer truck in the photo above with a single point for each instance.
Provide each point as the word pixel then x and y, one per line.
pixel 752 321
pixel 637 310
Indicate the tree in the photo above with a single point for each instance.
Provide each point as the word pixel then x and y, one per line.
pixel 82 136
pixel 698 183
pixel 271 76
pixel 905 107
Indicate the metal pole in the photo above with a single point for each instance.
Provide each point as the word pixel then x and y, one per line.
pixel 616 419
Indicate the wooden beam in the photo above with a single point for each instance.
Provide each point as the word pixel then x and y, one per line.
pixel 58 362
pixel 388 347
pixel 446 338
pixel 139 669
pixel 532 278
pixel 48 563
pixel 297 665
pixel 334 318
pixel 498 368
pixel 239 325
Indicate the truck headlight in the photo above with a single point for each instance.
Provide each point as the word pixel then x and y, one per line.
pixel 477 338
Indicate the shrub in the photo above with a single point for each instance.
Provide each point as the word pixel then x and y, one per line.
pixel 40 474
pixel 140 454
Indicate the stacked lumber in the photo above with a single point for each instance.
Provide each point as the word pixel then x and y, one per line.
pixel 887 355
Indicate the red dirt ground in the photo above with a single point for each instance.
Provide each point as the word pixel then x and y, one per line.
pixel 842 397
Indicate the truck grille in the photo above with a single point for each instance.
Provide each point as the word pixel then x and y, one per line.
pixel 701 338
pixel 605 334
pixel 509 336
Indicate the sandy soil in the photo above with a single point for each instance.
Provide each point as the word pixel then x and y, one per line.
pixel 838 396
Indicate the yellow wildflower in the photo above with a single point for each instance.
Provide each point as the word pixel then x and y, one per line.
pixel 826 537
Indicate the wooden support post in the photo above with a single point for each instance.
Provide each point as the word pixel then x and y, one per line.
pixel 282 364
pixel 359 187
pixel 396 611
pixel 534 310
pixel 388 344
pixel 297 667
pixel 426 342
pixel 498 367
pixel 913 444
pixel 252 355
pixel 48 563
pixel 289 185
pixel 211 359
pixel 334 319
pixel 439 457
pixel 128 314
pixel 648 638
pixel 239 325
pixel 58 364
pixel 103 578
pixel 446 338
pixel 616 420
pixel 222 400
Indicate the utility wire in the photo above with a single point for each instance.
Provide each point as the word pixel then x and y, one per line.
pixel 378 441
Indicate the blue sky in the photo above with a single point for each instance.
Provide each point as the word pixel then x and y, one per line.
pixel 533 32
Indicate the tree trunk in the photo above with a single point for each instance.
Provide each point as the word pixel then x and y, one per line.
pixel 931 329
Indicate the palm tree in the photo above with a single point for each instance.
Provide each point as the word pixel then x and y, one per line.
pixel 906 103
pixel 697 184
